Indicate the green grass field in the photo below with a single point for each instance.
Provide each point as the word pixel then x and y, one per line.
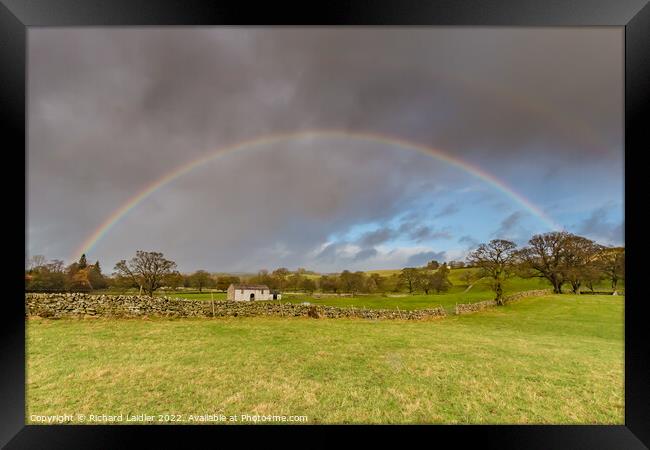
pixel 389 301
pixel 457 294
pixel 555 359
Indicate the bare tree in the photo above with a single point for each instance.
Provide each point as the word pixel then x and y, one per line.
pixel 409 276
pixel 424 280
pixel 376 283
pixel 224 281
pixel 329 283
pixel 579 260
pixel 280 276
pixel 496 260
pixel 147 269
pixel 438 280
pixel 611 260
pixel 201 279
pixel 544 258
pixel 44 276
pixel 174 280
pixel 308 285
pixel 352 282
pixel 36 261
pixel 592 276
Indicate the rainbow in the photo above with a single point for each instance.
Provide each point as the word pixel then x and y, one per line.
pixel 179 171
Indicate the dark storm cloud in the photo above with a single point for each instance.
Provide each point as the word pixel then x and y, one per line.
pixel 233 210
pixel 448 210
pixel 419 233
pixel 509 226
pixel 331 252
pixel 469 242
pixel 425 233
pixel 365 254
pixel 204 87
pixel 514 228
pixel 420 259
pixel 411 230
pixel 376 237
pixel 111 110
pixel 599 227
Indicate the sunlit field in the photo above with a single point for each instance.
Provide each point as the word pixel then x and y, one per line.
pixel 554 359
pixel 354 225
pixel 460 292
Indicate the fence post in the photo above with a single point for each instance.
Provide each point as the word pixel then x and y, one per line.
pixel 400 313
pixel 212 301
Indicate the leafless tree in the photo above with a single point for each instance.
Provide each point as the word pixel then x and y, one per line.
pixel 496 260
pixel 56 265
pixel 147 269
pixel 409 277
pixel 201 279
pixel 544 258
pixel 579 260
pixel 174 280
pixel 612 264
pixel 36 261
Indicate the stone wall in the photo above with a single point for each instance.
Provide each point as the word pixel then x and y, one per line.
pixel 524 294
pixel 79 305
pixel 464 308
pixel 602 293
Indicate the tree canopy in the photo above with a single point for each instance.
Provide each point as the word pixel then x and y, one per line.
pixel 147 269
pixel 496 260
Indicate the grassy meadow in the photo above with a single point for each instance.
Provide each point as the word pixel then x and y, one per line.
pixel 555 359
pixel 460 292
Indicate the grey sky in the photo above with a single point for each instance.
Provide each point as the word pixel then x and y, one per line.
pixel 112 110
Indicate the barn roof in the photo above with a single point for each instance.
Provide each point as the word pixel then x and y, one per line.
pixel 250 286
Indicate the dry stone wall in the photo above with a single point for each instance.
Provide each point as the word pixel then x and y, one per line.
pixel 602 292
pixel 77 305
pixel 464 308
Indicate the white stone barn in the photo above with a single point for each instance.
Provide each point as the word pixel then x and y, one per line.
pixel 251 292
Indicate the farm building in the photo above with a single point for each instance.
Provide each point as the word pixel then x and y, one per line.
pixel 251 292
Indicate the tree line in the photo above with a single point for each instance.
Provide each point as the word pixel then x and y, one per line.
pixel 147 271
pixel 79 276
pixel 151 271
pixel 561 258
pixel 356 282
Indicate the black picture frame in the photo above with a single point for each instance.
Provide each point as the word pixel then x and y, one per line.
pixel 634 15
